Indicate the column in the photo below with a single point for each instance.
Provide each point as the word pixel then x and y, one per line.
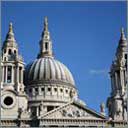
pixel 17 78
pixel 12 74
pixel 22 74
pixel 112 83
pixel 122 80
pixel 2 74
pixel 17 73
pixel 6 72
pixel 116 81
pixel 37 111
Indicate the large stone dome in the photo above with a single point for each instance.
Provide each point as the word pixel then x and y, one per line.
pixel 48 81
pixel 48 69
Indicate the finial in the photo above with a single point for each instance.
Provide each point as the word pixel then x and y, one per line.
pixel 122 34
pixel 10 34
pixel 102 108
pixel 10 27
pixel 46 23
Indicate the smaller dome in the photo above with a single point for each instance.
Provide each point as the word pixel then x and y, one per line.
pixel 48 69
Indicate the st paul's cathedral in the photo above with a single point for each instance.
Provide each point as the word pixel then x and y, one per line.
pixel 43 93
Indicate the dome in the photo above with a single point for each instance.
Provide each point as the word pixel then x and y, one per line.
pixel 46 78
pixel 48 69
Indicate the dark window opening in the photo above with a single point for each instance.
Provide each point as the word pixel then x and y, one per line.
pixel 49 89
pixel 4 50
pixel 61 90
pixel 36 89
pixel 126 56
pixel 49 108
pixel 126 61
pixel 42 89
pixel 9 74
pixel 46 45
pixel 33 111
pixel 66 91
pixel 30 90
pixel 20 68
pixel 4 74
pixel 8 100
pixel 9 52
pixel 14 51
pixel 55 89
pixel 4 58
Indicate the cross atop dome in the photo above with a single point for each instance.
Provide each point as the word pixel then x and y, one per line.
pixel 45 43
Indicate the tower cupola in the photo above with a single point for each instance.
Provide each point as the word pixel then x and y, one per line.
pixel 45 43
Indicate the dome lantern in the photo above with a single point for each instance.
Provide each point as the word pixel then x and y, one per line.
pixel 45 43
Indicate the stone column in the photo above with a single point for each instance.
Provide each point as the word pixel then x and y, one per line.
pixel 12 74
pixel 2 74
pixel 37 111
pixel 17 73
pixel 22 75
pixel 112 84
pixel 122 80
pixel 17 78
pixel 116 81
pixel 6 74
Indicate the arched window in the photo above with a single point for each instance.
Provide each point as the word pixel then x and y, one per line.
pixel 4 50
pixel 42 89
pixel 14 51
pixel 46 45
pixel 61 90
pixel 9 51
pixel 49 89
pixel 55 89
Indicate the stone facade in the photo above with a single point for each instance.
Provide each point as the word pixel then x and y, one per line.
pixel 44 93
pixel 117 102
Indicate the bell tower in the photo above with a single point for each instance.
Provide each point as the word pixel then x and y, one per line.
pixel 12 64
pixel 13 97
pixel 117 102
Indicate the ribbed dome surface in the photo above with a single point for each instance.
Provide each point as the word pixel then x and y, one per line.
pixel 48 68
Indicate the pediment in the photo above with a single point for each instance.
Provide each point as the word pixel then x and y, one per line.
pixel 73 110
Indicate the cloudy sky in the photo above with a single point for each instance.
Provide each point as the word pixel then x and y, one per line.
pixel 84 35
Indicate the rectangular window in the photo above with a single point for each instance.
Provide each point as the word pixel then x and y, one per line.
pixel 126 61
pixel 9 74
pixel 20 75
pixel 5 74
pixel 46 46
